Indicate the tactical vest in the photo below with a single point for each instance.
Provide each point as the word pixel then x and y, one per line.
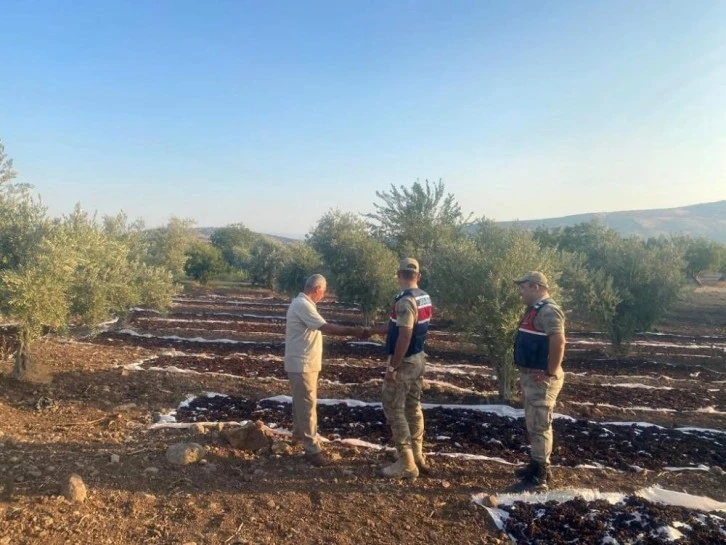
pixel 531 347
pixel 420 328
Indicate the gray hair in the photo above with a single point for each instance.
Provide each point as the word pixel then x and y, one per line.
pixel 314 281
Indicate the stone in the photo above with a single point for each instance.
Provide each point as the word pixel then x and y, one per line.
pixel 183 454
pixel 282 448
pixel 446 484
pixel 490 501
pixel 151 470
pixel 75 489
pixel 252 437
pixel 715 470
pixel 115 459
pixel 199 429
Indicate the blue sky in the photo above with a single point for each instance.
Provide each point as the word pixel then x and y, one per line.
pixel 270 113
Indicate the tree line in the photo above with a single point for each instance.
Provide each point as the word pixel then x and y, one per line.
pixel 78 270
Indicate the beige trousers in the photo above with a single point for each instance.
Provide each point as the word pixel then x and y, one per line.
pixel 304 387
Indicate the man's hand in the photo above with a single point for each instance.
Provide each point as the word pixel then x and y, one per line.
pixel 390 376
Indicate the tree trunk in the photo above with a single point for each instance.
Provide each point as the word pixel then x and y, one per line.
pixel 619 347
pixel 506 377
pixel 23 362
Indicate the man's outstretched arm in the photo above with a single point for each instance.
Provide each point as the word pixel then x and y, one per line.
pixel 342 330
pixel 378 329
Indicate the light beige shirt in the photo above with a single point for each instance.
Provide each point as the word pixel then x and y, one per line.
pixel 303 339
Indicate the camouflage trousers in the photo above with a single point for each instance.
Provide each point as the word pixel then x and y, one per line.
pixel 539 405
pixel 402 402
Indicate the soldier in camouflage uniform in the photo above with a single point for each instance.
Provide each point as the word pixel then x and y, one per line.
pixel 406 335
pixel 538 352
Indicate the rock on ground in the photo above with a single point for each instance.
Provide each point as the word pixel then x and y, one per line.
pixel 199 429
pixel 282 448
pixel 75 489
pixel 252 437
pixel 183 454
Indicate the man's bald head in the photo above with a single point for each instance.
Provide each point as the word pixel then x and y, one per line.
pixel 315 287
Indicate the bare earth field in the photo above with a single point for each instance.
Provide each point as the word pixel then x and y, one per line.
pixel 107 409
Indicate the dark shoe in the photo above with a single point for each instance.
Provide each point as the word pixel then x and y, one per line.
pixel 318 459
pixel 424 469
pixel 535 480
pixel 528 472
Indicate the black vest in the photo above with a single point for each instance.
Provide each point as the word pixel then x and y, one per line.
pixel 531 347
pixel 420 328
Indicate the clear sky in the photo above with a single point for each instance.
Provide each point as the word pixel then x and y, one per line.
pixel 270 113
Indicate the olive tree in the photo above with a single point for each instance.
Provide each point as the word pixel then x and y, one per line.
pixel 473 281
pixel 627 284
pixel 77 275
pixel 7 172
pixel 168 246
pixel 416 221
pixel 204 261
pixel 359 268
pixel 267 257
pixel 364 273
pixel 235 243
pixel 701 255
pixel 334 225
pixel 300 263
pixel 23 219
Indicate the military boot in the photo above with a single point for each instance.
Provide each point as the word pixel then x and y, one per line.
pixel 403 468
pixel 421 462
pixel 528 472
pixel 536 480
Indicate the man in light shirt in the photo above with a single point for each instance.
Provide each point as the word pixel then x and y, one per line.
pixel 304 332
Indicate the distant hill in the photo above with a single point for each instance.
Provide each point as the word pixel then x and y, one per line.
pixel 206 232
pixel 699 220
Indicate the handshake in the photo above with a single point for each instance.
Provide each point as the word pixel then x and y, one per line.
pixel 362 333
